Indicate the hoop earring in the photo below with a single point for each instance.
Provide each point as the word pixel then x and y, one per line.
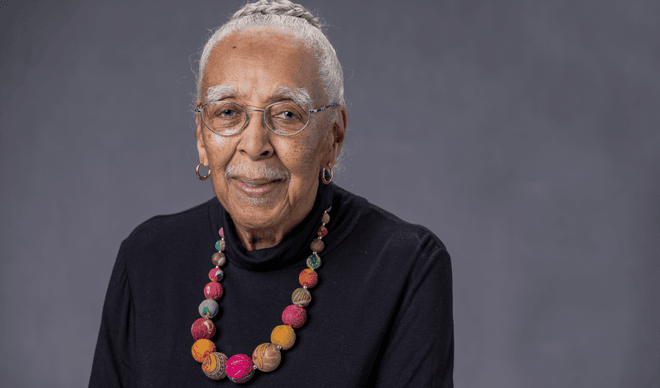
pixel 200 177
pixel 329 169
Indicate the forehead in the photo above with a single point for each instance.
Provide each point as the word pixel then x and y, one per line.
pixel 257 62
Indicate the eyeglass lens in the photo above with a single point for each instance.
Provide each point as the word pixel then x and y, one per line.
pixel 226 118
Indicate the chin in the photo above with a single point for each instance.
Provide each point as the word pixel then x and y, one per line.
pixel 257 210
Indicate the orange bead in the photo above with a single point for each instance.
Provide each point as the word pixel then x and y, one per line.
pixel 201 348
pixel 284 336
pixel 308 277
pixel 326 218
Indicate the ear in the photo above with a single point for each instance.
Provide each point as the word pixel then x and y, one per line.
pixel 338 132
pixel 201 146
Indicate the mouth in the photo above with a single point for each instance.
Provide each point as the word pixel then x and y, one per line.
pixel 256 186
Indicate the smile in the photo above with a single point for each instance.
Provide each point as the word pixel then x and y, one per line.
pixel 255 187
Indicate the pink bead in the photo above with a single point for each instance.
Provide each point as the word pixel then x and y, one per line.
pixel 202 329
pixel 216 274
pixel 294 316
pixel 213 290
pixel 221 232
pixel 240 368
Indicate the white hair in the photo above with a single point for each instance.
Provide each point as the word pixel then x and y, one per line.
pixel 293 18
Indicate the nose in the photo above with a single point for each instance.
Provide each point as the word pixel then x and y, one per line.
pixel 255 138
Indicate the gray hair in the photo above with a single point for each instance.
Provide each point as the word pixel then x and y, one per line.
pixel 293 18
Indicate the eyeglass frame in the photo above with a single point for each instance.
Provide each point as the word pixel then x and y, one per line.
pixel 198 109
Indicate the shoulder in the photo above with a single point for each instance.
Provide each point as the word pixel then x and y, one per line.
pixel 163 230
pixel 383 229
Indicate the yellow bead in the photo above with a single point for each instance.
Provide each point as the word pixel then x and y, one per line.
pixel 284 336
pixel 201 348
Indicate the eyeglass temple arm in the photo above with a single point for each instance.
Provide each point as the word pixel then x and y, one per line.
pixel 323 108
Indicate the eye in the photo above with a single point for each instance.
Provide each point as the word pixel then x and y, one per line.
pixel 287 115
pixel 226 113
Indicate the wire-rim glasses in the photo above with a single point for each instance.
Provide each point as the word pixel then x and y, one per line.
pixel 284 118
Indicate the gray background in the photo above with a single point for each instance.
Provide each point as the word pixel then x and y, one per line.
pixel 523 133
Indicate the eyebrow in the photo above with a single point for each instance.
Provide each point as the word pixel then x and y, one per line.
pixel 298 95
pixel 220 92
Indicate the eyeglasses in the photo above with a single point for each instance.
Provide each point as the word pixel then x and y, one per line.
pixel 284 118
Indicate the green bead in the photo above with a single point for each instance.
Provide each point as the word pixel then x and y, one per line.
pixel 220 245
pixel 313 261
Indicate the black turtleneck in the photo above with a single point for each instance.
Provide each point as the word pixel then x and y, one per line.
pixel 380 316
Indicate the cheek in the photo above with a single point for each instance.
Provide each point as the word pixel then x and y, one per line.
pixel 217 149
pixel 300 155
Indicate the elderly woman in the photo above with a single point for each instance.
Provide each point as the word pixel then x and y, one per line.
pixel 283 279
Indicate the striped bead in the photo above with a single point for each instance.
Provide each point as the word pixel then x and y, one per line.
pixel 266 357
pixel 214 366
pixel 301 297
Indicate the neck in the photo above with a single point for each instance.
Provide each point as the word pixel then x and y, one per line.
pixel 253 239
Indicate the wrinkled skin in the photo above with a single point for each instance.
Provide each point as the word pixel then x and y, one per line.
pixel 256 63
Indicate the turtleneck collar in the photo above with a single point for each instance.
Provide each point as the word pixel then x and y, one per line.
pixel 294 247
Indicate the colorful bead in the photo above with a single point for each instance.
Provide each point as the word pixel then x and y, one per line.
pixel 284 336
pixel 213 290
pixel 214 366
pixel 323 231
pixel 210 307
pixel 202 329
pixel 221 232
pixel 301 297
pixel 216 274
pixel 218 259
pixel 294 316
pixel 326 217
pixel 240 368
pixel 220 245
pixel 313 261
pixel 308 277
pixel 266 357
pixel 201 348
pixel 317 245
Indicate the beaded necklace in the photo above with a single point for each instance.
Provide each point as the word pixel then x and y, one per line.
pixel 266 357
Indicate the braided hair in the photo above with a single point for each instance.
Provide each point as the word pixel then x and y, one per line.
pixel 281 7
pixel 294 18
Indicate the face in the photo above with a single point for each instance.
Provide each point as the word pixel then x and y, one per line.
pixel 262 179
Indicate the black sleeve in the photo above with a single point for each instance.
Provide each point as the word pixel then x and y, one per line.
pixel 112 359
pixel 419 349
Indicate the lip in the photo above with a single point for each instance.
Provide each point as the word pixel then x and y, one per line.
pixel 255 186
